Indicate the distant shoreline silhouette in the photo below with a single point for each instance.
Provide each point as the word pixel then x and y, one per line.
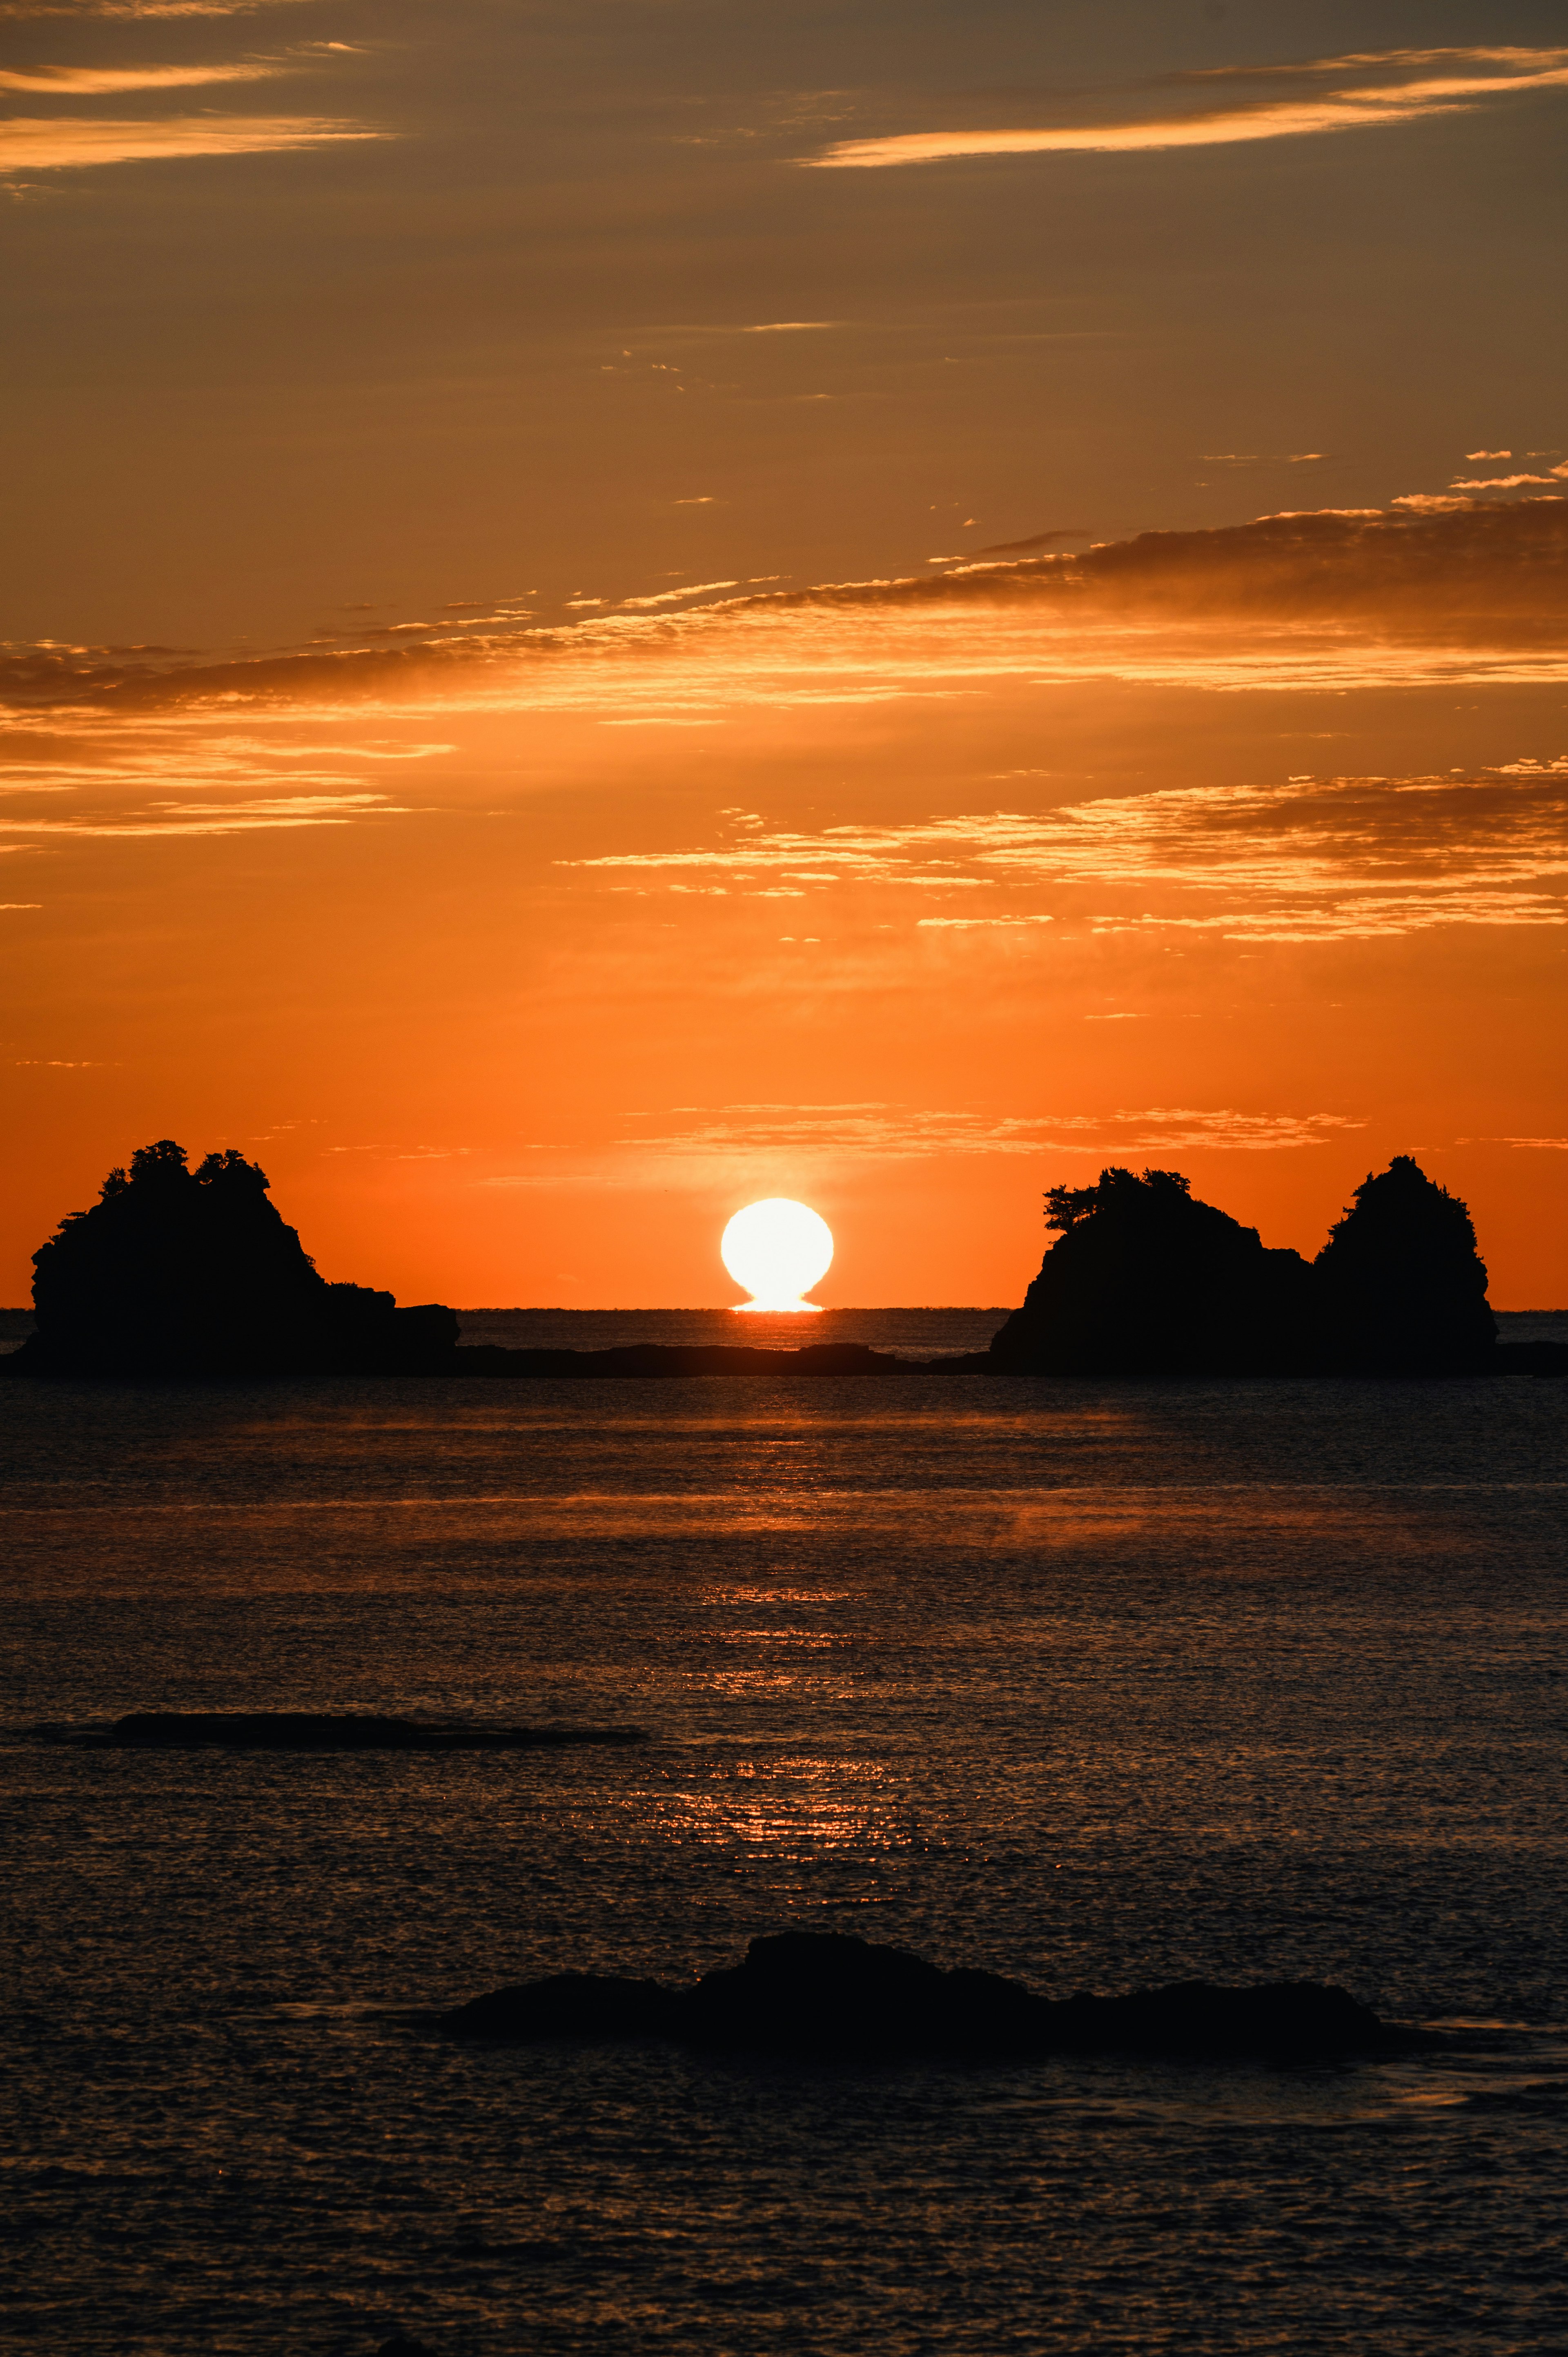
pixel 180 1274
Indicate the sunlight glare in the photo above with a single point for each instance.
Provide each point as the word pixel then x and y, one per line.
pixel 778 1250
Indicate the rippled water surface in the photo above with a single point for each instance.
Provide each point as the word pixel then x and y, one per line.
pixel 1096 1684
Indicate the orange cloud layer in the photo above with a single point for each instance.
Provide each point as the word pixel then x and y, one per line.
pixel 98 81
pixel 47 143
pixel 1371 106
pixel 1324 597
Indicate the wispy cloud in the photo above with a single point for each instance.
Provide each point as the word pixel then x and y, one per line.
pixel 99 82
pixel 129 11
pixel 44 144
pixel 1448 589
pixel 1035 543
pixel 1339 859
pixel 697 1145
pixel 286 810
pixel 1473 77
pixel 1505 482
pixel 974 924
pixel 138 779
pixel 673 597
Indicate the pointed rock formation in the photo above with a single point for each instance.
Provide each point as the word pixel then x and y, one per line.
pixel 1399 1286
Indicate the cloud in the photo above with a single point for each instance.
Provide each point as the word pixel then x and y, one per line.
pixel 287 810
pixel 673 597
pixel 1518 58
pixel 123 11
pixel 1416 595
pixel 1504 482
pixel 1306 861
pixel 1030 547
pixel 1501 568
pixel 154 779
pixel 1261 459
pixel 973 924
pixel 65 142
pixel 97 82
pixel 695 1145
pixel 1363 106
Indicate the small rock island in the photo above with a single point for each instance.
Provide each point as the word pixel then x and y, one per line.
pixel 1144 1279
pixel 182 1272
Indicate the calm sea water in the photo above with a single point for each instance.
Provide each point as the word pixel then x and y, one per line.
pixel 1096 1684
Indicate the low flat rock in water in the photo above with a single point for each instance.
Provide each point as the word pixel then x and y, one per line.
pixel 653 1360
pixel 318 1730
pixel 1531 1358
pixel 815 1993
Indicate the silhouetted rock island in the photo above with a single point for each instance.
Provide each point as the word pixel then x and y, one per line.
pixel 826 1994
pixel 1144 1279
pixel 182 1273
pixel 175 1272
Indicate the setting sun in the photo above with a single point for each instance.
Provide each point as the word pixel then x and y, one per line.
pixel 778 1250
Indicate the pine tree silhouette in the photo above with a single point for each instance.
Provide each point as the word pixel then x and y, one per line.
pixel 1144 1279
pixel 175 1272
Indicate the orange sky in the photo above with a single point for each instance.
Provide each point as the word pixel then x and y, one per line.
pixel 434 764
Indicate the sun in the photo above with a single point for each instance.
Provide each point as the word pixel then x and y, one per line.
pixel 778 1250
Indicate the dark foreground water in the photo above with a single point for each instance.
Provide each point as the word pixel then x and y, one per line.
pixel 1095 1684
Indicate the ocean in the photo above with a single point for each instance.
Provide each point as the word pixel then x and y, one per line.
pixel 1098 1685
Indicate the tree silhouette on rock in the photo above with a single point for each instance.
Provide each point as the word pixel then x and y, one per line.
pixel 182 1272
pixel 1147 1280
pixel 1144 1279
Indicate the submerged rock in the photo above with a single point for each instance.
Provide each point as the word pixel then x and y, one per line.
pixel 569 2005
pixel 828 1993
pixel 319 1730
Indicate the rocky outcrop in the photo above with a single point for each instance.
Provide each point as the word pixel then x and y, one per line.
pixel 1144 1279
pixel 1399 1287
pixel 825 1994
pixel 1147 1280
pixel 174 1272
pixel 650 1361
